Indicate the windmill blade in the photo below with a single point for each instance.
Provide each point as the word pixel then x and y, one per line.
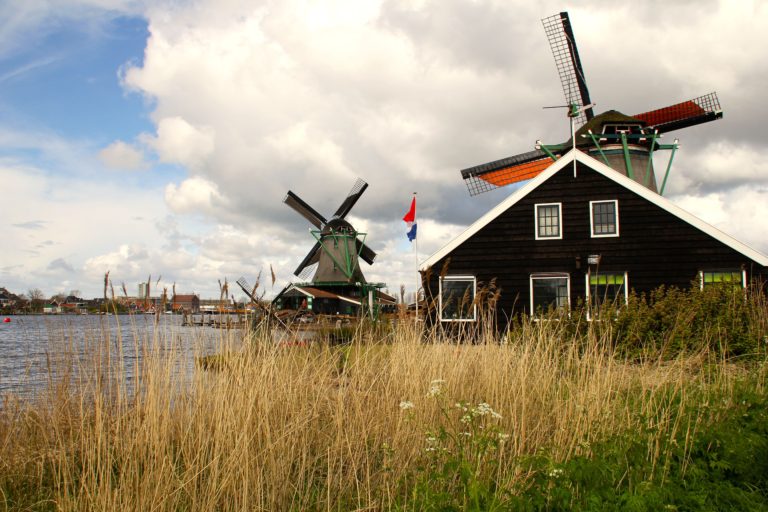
pixel 313 256
pixel 365 252
pixel 681 115
pixel 304 210
pixel 487 177
pixel 357 190
pixel 243 284
pixel 563 44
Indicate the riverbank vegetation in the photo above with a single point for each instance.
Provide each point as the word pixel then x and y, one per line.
pixel 661 406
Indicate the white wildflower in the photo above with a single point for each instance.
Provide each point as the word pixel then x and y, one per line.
pixel 503 437
pixel 465 419
pixel 431 439
pixel 556 473
pixel 405 405
pixel 466 434
pixel 483 409
pixel 435 387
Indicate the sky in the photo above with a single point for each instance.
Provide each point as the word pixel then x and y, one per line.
pixel 160 137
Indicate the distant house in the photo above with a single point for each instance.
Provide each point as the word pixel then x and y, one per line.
pixel 187 303
pixel 7 299
pixel 51 308
pixel 341 300
pixel 581 231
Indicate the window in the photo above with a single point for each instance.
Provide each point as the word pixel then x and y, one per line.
pixel 606 288
pixel 549 220
pixel 604 218
pixel 714 277
pixel 550 291
pixel 457 299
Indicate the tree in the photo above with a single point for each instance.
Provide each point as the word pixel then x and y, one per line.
pixel 36 298
pixel 75 293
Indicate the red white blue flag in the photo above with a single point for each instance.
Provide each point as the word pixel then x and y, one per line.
pixel 410 220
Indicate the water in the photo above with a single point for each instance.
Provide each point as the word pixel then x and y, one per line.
pixel 37 350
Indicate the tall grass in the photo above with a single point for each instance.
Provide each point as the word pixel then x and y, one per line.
pixel 319 427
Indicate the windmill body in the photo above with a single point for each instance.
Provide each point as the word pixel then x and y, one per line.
pixel 625 143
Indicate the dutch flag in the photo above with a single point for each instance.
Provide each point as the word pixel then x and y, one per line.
pixel 410 219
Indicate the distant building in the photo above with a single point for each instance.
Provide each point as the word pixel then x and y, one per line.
pixel 143 290
pixel 188 303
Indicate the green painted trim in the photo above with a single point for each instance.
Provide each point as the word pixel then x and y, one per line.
pixel 597 144
pixel 548 152
pixel 654 136
pixel 669 167
pixel 627 162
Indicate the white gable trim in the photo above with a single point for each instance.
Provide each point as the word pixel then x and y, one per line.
pixel 611 174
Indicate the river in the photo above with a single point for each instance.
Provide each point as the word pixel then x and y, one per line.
pixel 35 350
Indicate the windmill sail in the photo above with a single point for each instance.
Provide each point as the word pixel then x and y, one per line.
pixel 681 115
pixel 357 190
pixel 563 44
pixel 304 210
pixel 486 177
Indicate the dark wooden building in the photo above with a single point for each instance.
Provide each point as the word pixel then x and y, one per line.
pixel 588 234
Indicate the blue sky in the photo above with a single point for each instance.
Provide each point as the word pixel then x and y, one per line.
pixel 159 137
pixel 67 81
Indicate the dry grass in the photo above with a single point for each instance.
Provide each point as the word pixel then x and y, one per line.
pixel 318 427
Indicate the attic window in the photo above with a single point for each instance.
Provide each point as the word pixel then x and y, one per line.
pixel 549 219
pixel 457 299
pixel 604 218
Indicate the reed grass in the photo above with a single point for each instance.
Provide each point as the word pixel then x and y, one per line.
pixel 319 427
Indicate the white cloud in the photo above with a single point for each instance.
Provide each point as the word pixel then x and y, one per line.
pixel 194 195
pixel 179 142
pixel 121 155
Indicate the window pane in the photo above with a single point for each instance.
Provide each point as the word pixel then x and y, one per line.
pixel 604 218
pixel 606 288
pixel 458 296
pixel 549 220
pixel 733 277
pixel 550 293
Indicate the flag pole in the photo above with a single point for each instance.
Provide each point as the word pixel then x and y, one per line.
pixel 418 275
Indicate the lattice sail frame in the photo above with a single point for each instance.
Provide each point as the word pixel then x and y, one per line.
pixel 563 45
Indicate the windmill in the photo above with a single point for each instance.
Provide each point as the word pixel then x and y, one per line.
pixel 625 143
pixel 337 246
pixel 338 284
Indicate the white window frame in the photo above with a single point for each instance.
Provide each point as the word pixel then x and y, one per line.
pixel 588 287
pixel 743 276
pixel 474 294
pixel 592 218
pixel 559 221
pixel 548 275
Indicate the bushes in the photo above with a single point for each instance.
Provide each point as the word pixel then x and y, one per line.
pixel 669 321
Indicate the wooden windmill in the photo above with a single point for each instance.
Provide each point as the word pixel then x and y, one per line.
pixel 337 246
pixel 625 143
pixel 337 284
